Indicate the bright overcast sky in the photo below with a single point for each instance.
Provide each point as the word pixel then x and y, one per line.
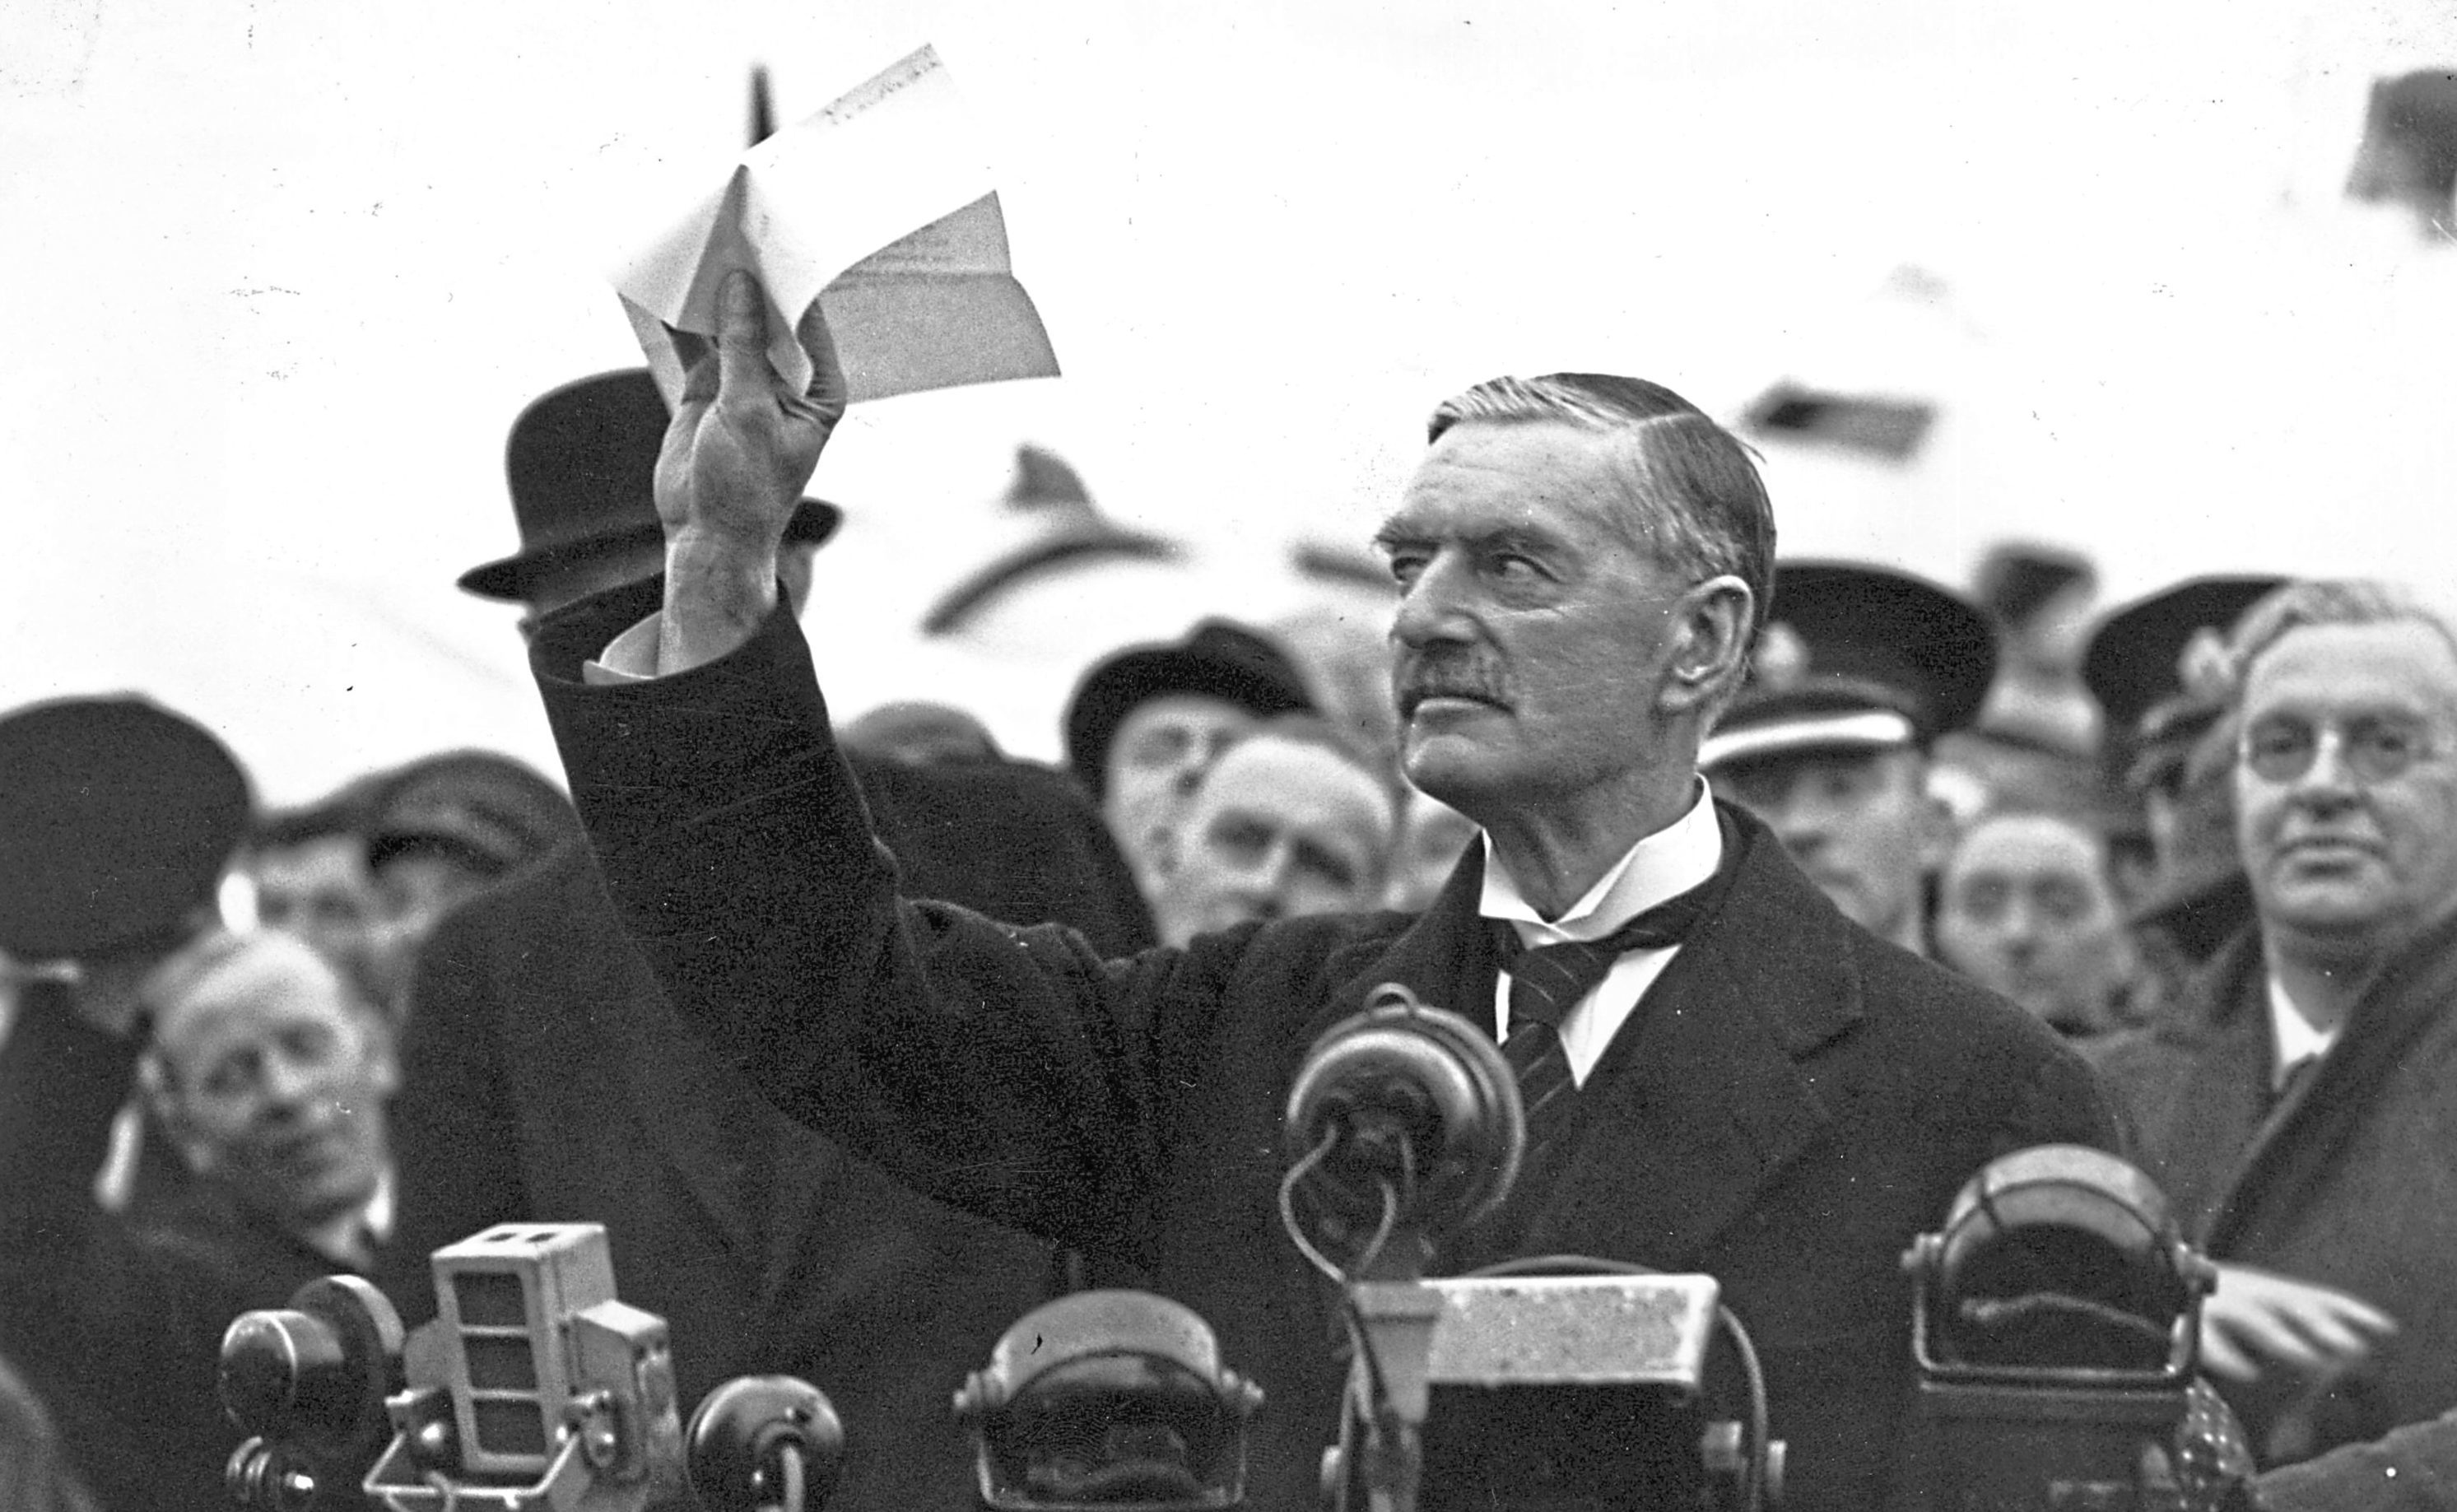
pixel 284 271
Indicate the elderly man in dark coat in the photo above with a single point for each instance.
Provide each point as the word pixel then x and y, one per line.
pixel 2297 1103
pixel 1770 1095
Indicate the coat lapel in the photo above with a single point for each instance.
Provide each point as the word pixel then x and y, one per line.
pixel 2291 1155
pixel 2208 1125
pixel 1702 1102
pixel 1445 957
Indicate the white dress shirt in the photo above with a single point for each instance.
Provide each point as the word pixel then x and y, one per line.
pixel 2293 1036
pixel 1663 866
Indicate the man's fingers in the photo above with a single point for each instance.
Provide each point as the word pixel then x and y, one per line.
pixel 742 337
pixel 698 359
pixel 2361 1314
pixel 828 391
pixel 2220 1358
pixel 2340 1328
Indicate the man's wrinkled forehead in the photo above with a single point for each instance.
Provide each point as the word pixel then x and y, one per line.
pixel 247 994
pixel 1486 475
pixel 2401 665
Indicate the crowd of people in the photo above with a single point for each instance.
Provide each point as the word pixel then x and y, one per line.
pixel 864 1041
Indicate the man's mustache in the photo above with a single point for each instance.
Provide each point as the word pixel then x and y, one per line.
pixel 1422 677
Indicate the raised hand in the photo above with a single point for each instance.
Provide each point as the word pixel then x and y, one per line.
pixel 737 455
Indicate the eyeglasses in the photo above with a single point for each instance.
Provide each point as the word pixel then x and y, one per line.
pixel 2374 748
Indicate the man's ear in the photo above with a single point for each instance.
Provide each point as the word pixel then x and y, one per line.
pixel 1938 827
pixel 384 1067
pixel 1710 644
pixel 161 1086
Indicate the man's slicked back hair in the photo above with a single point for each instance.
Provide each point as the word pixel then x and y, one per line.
pixel 1693 489
pixel 2327 601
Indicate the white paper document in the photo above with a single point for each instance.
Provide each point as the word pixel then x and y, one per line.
pixel 828 209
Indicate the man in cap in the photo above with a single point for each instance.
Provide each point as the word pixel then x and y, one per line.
pixel 2157 667
pixel 1145 723
pixel 546 1078
pixel 115 831
pixel 1760 1090
pixel 309 868
pixel 2295 1103
pixel 1859 671
pixel 439 832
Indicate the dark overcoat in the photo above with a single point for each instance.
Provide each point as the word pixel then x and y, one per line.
pixel 1794 1102
pixel 545 1078
pixel 2351 1181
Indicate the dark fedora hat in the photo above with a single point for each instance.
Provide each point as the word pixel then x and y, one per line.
pixel 116 820
pixel 1218 658
pixel 582 462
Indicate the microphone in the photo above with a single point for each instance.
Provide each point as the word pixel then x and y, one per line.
pixel 533 1389
pixel 308 1382
pixel 761 1442
pixel 1404 1128
pixel 1402 1119
pixel 1108 1400
pixel 2055 1326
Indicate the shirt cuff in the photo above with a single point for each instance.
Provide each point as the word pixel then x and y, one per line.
pixel 628 658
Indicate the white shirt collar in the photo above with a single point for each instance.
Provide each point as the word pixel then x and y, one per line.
pixel 1663 865
pixel 2292 1035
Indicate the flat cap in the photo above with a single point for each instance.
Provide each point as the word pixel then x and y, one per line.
pixel 489 810
pixel 2136 662
pixel 117 817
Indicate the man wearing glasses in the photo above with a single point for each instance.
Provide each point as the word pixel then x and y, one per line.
pixel 2300 1105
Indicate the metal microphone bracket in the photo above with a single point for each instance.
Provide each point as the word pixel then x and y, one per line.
pixel 1505 1391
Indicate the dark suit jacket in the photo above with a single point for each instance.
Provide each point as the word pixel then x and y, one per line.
pixel 119 1331
pixel 2349 1182
pixel 1796 1102
pixel 546 1079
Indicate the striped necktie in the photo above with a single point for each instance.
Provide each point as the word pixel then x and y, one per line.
pixel 1548 980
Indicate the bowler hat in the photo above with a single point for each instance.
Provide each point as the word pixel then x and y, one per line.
pixel 582 462
pixel 1856 657
pixel 1217 658
pixel 116 820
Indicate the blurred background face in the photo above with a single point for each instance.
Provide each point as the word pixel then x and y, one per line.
pixel 2346 780
pixel 1860 823
pixel 1433 837
pixel 1279 829
pixel 2027 911
pixel 275 1080
pixel 318 889
pixel 1161 751
pixel 414 890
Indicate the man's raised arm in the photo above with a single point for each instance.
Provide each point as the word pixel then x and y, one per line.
pixel 737 453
